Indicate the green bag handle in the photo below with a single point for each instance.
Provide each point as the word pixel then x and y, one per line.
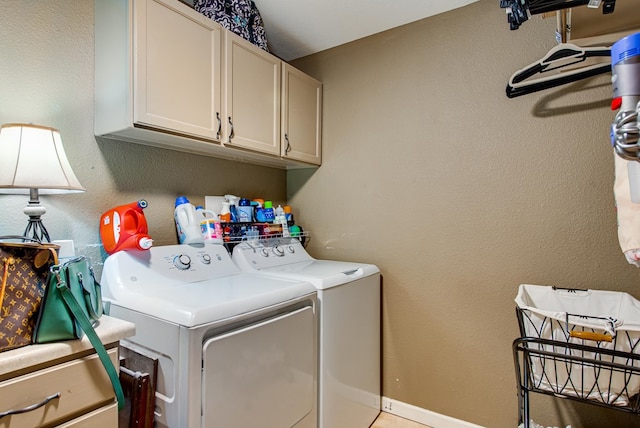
pixel 93 307
pixel 85 324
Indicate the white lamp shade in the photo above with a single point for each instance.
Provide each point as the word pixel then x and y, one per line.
pixel 32 157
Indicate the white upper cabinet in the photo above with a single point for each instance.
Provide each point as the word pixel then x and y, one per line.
pixel 301 116
pixel 177 69
pixel 168 76
pixel 252 97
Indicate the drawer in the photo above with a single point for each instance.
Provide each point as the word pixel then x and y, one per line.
pixel 104 417
pixel 83 385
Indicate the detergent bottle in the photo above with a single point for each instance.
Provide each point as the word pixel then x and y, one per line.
pixel 288 214
pixel 269 214
pixel 125 228
pixel 233 207
pixel 225 213
pixel 209 226
pixel 258 210
pixel 281 219
pixel 245 211
pixel 187 224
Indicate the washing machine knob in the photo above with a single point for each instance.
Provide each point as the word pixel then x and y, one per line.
pixel 278 250
pixel 206 259
pixel 291 249
pixel 264 252
pixel 182 262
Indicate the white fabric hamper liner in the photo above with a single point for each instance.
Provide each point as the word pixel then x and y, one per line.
pixel 552 313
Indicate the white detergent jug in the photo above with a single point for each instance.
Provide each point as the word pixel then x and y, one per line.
pixel 210 227
pixel 187 223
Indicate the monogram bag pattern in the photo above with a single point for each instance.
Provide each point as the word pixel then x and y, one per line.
pixel 241 17
pixel 25 271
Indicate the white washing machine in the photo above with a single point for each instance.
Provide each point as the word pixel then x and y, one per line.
pixel 349 317
pixel 234 349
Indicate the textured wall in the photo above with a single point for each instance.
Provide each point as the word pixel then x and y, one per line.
pixel 457 193
pixel 46 77
pixel 460 194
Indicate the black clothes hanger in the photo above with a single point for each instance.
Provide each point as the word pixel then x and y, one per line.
pixel 563 55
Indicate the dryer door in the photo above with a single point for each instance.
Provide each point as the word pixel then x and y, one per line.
pixel 262 375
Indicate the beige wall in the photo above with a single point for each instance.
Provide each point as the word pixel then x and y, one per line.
pixel 460 194
pixel 47 77
pixel 457 193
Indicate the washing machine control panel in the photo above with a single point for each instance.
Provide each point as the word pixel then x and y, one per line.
pixel 269 253
pixel 171 264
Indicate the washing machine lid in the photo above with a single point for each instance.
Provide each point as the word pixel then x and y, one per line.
pixel 191 286
pixel 322 273
pixel 291 261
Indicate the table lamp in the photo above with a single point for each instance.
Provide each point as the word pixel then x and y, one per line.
pixel 33 161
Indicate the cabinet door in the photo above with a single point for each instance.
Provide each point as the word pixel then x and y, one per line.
pixel 252 97
pixel 301 116
pixel 176 69
pixel 81 385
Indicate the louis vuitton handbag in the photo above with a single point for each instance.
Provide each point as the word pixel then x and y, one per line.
pixel 24 270
pixel 72 306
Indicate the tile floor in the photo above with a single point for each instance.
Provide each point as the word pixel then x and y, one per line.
pixel 387 420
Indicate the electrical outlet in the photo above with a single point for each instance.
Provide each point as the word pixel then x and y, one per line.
pixel 96 255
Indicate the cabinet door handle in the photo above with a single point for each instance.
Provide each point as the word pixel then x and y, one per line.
pixel 231 132
pixel 31 407
pixel 219 125
pixel 288 148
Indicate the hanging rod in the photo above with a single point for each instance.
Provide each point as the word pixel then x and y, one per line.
pixel 518 11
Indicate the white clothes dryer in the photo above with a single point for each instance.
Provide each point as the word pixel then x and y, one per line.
pixel 349 318
pixel 234 349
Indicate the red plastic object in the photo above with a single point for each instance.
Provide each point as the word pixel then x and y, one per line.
pixel 125 228
pixel 616 103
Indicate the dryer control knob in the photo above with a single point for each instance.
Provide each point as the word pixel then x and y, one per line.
pixel 182 262
pixel 264 252
pixel 278 251
pixel 291 249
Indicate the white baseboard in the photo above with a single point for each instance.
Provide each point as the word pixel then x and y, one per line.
pixel 423 416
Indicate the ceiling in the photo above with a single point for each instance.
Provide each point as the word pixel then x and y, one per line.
pixel 296 28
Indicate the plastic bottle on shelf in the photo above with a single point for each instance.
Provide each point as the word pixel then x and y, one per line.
pixel 232 199
pixel 233 207
pixel 269 214
pixel 245 211
pixel 253 234
pixel 281 219
pixel 258 210
pixel 209 226
pixel 187 224
pixel 260 217
pixel 233 213
pixel 288 214
pixel 225 213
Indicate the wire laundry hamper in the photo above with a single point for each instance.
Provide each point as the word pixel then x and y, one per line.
pixel 577 344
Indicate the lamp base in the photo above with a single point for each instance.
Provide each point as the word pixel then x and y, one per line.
pixel 35 229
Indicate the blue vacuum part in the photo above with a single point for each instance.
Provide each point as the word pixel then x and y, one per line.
pixel 625 49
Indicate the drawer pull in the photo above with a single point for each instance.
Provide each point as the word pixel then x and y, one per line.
pixel 31 407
